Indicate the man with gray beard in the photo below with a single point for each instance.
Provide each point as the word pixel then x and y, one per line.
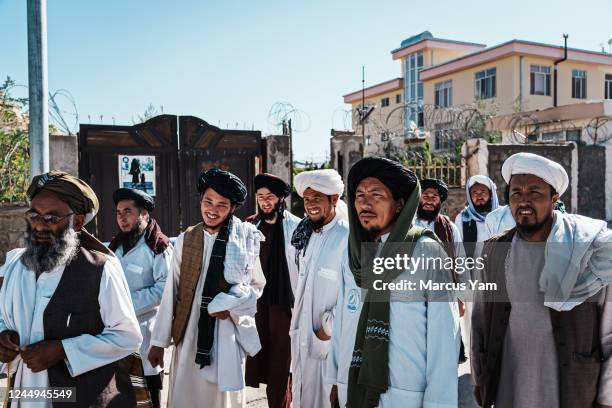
pixel 66 317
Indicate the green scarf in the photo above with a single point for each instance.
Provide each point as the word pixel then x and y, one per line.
pixel 369 370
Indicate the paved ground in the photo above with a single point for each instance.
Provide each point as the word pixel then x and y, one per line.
pixel 256 397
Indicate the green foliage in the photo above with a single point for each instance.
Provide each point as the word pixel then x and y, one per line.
pixel 14 148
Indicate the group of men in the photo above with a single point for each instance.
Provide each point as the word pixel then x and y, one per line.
pixel 294 304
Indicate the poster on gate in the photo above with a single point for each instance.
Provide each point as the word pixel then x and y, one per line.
pixel 137 172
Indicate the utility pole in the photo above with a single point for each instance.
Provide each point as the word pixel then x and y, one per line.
pixel 38 129
pixel 363 103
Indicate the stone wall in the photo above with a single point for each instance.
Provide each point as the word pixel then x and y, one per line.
pixel 562 154
pixel 12 227
pixel 455 202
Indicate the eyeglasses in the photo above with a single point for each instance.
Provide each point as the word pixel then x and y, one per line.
pixel 48 219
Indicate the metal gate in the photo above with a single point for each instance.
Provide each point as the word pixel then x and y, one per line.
pixel 177 166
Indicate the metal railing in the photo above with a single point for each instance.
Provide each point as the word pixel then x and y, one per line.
pixel 450 173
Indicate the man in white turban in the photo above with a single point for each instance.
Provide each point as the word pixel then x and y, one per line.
pixel 544 339
pixel 320 241
pixel 481 197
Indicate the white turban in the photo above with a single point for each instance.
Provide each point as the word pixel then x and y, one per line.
pixel 528 163
pixel 326 181
pixel 480 179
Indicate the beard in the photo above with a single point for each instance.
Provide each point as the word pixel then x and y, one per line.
pixel 428 215
pixel 130 238
pixel 45 257
pixel 269 216
pixel 483 208
pixel 528 229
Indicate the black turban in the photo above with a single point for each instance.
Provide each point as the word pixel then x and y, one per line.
pixel 142 199
pixel 275 184
pixel 392 174
pixel 224 183
pixel 438 185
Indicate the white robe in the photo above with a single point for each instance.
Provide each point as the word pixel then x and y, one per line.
pixel 316 296
pixel 417 377
pixel 146 275
pixel 23 300
pixel 498 221
pixel 220 384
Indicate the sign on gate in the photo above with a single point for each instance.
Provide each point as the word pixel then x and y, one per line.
pixel 137 172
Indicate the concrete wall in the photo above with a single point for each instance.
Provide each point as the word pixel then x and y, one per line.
pixel 277 160
pixel 64 154
pixel 344 152
pixel 13 227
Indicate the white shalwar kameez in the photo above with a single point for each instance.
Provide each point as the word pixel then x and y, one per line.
pixel 317 292
pixel 23 300
pixel 221 384
pixel 146 275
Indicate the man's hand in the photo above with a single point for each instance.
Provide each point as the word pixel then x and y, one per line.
pixel 224 314
pixel 42 355
pixel 321 335
pixel 461 308
pixel 156 356
pixel 9 345
pixel 333 396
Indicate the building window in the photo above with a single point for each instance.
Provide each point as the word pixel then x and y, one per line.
pixel 384 102
pixel 553 136
pixel 443 95
pixel 485 83
pixel 540 80
pixel 398 98
pixel 573 135
pixel 579 84
pixel 413 90
pixel 608 86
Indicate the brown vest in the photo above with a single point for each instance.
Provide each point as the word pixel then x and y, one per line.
pixel 72 311
pixel 191 269
pixel 576 334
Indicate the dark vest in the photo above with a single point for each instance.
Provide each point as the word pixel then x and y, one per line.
pixel 74 310
pixel 470 237
pixel 576 334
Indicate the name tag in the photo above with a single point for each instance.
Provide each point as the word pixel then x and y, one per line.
pixel 328 274
pixel 134 269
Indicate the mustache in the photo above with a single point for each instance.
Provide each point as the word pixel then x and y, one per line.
pixel 366 212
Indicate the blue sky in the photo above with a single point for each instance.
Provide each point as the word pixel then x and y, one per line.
pixel 230 61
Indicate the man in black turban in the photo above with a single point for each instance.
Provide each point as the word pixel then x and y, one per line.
pixel 145 254
pixel 271 365
pixel 214 301
pixel 383 197
pixel 435 192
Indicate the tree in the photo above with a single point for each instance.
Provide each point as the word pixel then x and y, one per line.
pixel 14 147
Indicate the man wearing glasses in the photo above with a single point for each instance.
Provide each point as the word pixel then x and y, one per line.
pixel 66 317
